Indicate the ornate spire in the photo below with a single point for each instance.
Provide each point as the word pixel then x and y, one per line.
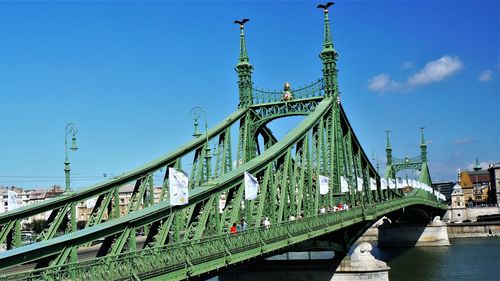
pixel 422 139
pixel 327 39
pixel 423 146
pixel 388 149
pixel 477 166
pixel 244 69
pixel 388 141
pixel 243 46
pixel 328 55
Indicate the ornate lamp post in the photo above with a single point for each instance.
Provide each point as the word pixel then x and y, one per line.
pixel 70 129
pixel 195 114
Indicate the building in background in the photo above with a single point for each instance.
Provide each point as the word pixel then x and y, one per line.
pixel 457 211
pixel 445 187
pixel 476 185
pixel 84 209
pixel 494 170
pixel 10 198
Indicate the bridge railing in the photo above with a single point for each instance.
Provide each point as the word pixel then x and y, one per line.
pixel 315 89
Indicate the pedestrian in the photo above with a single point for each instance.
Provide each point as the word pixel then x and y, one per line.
pixel 244 225
pixel 233 229
pixel 300 216
pixel 266 223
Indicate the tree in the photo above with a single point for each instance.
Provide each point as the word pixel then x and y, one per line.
pixel 36 226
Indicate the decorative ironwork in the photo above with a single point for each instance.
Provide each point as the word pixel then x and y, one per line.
pixel 405 166
pixel 315 89
pixel 405 160
pixel 189 240
pixel 193 258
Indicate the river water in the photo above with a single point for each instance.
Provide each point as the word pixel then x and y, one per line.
pixel 466 259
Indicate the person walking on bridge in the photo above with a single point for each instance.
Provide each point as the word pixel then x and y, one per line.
pixel 243 225
pixel 266 223
pixel 233 229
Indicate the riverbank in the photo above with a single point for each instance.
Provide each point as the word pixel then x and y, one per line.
pixel 455 230
pixel 473 229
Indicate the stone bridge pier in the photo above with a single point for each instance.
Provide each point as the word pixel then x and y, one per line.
pixel 432 234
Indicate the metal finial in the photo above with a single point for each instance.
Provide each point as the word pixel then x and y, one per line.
pixel 387 134
pixel 422 140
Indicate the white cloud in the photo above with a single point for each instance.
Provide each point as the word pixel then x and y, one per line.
pixel 434 71
pixel 485 75
pixel 382 83
pixel 407 65
pixel 463 141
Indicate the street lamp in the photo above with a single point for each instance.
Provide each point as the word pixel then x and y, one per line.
pixel 70 129
pixel 195 114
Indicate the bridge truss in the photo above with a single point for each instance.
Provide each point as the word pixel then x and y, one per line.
pixel 192 240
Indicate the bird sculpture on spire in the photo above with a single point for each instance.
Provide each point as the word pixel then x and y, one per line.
pixel 325 6
pixel 241 22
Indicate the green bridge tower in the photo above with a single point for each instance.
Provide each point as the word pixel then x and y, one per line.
pixel 420 163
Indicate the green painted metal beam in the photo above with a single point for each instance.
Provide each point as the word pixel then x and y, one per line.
pixel 188 259
pixel 101 188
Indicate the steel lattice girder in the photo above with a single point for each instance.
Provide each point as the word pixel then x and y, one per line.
pixel 189 259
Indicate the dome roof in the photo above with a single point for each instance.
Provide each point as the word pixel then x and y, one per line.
pixel 457 188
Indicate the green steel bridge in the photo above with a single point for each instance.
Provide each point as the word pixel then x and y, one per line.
pixel 193 240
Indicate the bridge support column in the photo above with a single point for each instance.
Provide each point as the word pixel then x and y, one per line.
pixel 361 265
pixel 409 235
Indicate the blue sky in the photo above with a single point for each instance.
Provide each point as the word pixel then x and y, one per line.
pixel 128 73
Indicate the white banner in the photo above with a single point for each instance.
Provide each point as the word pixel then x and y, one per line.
pixel 324 184
pixel 344 185
pixel 360 184
pixel 12 199
pixel 392 183
pixel 251 186
pixel 399 183
pixel 383 183
pixel 373 184
pixel 178 187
